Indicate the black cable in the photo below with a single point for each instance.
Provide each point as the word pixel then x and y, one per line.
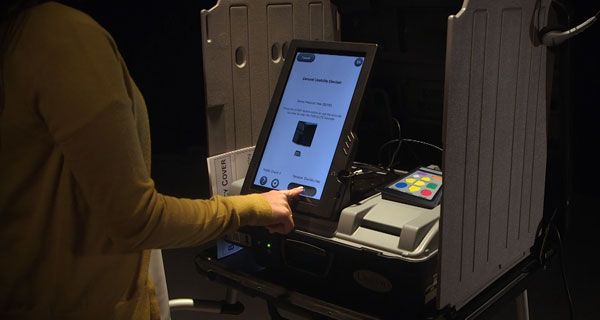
pixel 399 141
pixel 425 143
pixel 395 154
pixel 564 274
pixel 554 37
pixel 382 147
pixel 368 166
pixel 546 230
pixel 546 233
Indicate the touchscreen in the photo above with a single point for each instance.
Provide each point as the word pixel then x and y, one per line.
pixel 308 122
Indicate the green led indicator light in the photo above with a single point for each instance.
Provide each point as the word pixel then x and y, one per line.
pixel 268 245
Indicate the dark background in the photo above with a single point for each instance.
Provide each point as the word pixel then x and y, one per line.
pixel 161 43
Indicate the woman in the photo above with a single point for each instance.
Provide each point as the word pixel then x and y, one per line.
pixel 79 209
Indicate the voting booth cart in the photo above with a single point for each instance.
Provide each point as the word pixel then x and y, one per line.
pixel 280 81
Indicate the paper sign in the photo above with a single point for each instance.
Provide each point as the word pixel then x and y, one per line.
pixel 225 168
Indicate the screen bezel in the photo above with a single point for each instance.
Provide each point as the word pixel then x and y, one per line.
pixel 326 207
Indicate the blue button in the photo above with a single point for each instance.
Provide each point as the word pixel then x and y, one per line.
pixel 401 185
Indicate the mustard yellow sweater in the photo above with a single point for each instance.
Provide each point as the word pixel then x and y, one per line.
pixel 78 209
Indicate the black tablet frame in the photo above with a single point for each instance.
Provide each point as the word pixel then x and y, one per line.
pixel 328 206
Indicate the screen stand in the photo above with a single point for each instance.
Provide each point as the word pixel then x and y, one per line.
pixel 321 226
pixel 318 226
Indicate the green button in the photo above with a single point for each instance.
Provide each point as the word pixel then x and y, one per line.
pixel 432 186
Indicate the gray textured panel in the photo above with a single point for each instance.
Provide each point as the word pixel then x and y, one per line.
pixel 219 103
pixel 494 144
pixel 316 21
pixel 470 221
pixel 280 29
pixel 238 92
pixel 540 144
pixel 238 17
pixel 503 136
pixel 486 138
pixel 517 174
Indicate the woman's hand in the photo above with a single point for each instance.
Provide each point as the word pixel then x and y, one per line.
pixel 282 213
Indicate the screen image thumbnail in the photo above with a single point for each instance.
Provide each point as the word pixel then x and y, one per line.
pixel 305 132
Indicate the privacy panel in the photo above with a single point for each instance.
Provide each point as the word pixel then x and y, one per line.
pixel 243 46
pixel 494 143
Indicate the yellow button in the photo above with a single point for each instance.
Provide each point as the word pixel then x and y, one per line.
pixel 419 183
pixel 425 179
pixel 413 189
pixel 411 180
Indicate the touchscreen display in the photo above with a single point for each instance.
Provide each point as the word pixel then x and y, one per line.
pixel 308 122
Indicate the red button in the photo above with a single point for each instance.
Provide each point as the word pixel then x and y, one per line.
pixel 426 193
